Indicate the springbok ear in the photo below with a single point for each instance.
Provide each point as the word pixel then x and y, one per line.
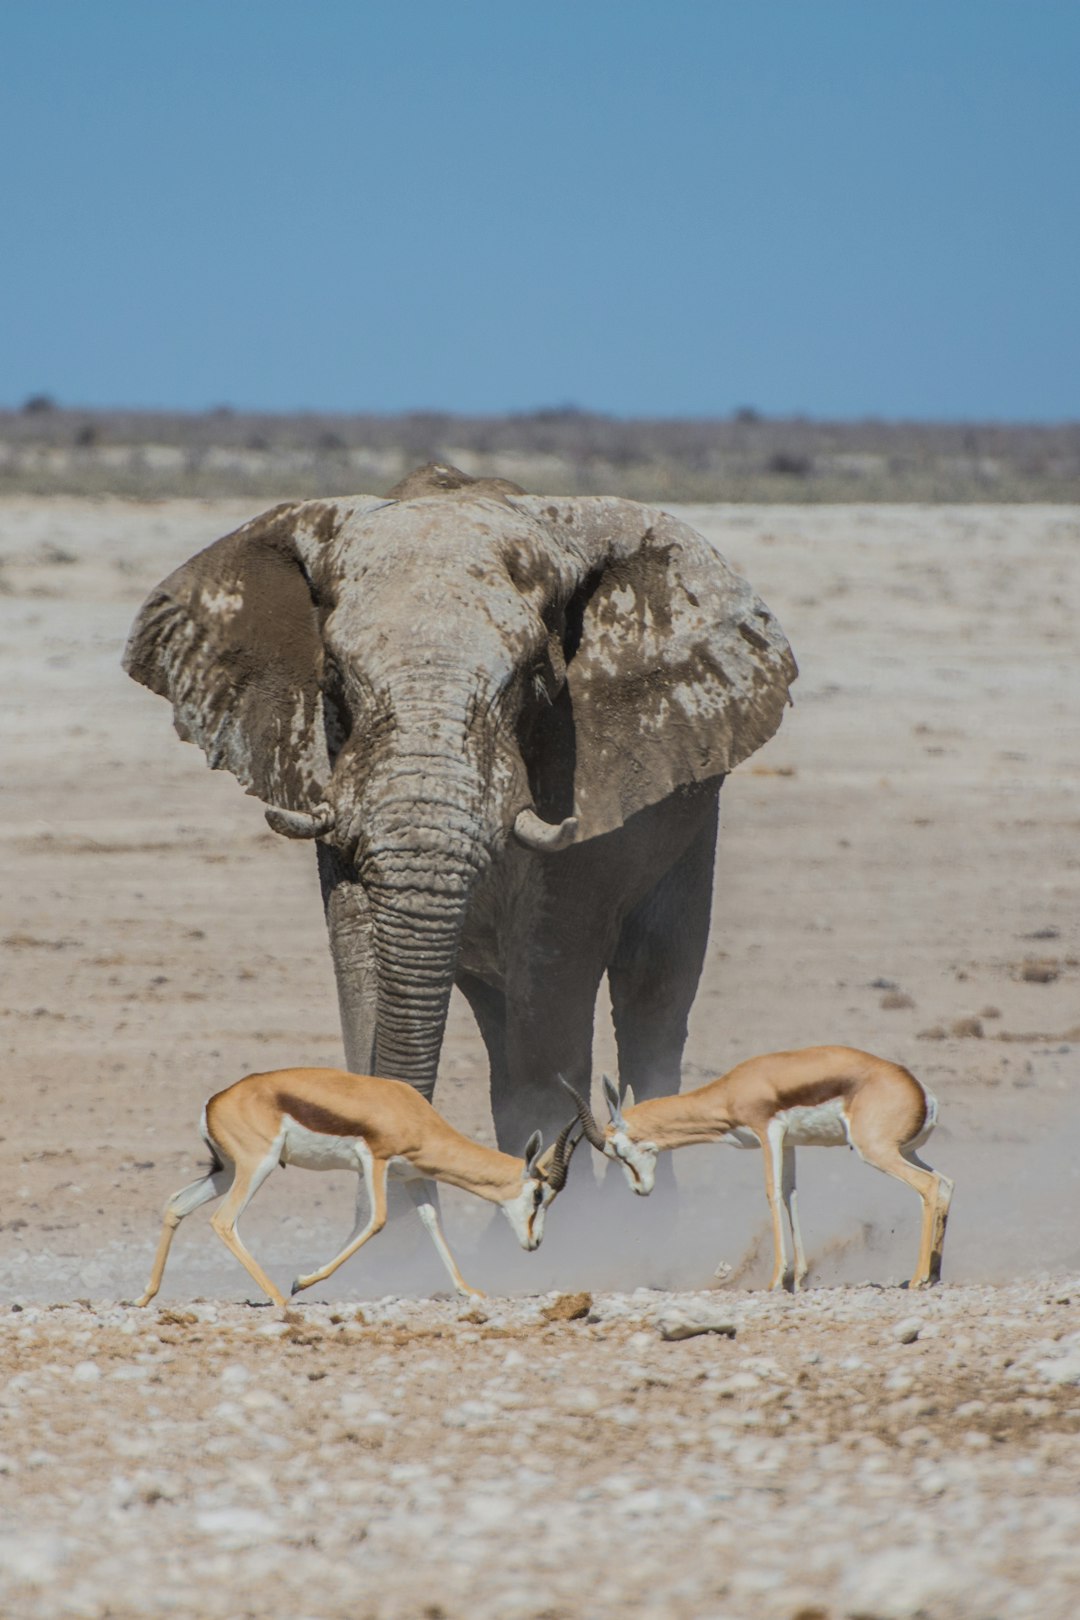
pixel 611 1097
pixel 232 639
pixel 533 1149
pixel 675 670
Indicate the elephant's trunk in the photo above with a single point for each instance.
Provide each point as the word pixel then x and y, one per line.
pixel 416 944
pixel 426 832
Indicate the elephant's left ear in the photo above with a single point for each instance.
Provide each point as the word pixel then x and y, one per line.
pixel 679 671
pixel 232 639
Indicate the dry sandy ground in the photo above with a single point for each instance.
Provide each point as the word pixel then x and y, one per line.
pixel 901 861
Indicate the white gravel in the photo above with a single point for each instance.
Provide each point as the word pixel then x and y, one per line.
pixel 429 1459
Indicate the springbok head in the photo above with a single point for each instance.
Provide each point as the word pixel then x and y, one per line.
pixel 543 1178
pixel 615 1140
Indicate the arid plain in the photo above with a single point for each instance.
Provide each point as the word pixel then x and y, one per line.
pixel 898 869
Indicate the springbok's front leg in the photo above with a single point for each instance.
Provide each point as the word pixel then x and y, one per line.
pixel 772 1145
pixel 374 1173
pixel 249 1178
pixel 791 1204
pixel 427 1209
pixel 180 1204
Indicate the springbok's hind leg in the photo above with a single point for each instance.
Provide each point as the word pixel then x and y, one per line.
pixel 934 1190
pixel 935 1219
pixel 429 1214
pixel 180 1204
pixel 246 1184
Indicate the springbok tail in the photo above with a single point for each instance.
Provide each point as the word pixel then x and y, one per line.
pixel 216 1161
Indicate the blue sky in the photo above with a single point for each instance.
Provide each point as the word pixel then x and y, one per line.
pixel 679 207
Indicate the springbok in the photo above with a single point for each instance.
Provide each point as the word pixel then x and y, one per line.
pixel 326 1119
pixel 822 1096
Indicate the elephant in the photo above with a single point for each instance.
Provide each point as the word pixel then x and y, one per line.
pixel 504 719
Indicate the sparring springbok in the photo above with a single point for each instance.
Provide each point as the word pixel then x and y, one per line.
pixel 326 1119
pixel 823 1096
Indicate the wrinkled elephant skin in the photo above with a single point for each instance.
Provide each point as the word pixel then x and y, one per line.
pixel 505 719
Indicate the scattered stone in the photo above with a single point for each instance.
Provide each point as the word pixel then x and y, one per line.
pixel 969 1028
pixel 893 1000
pixel 568 1308
pixel 470 1415
pixel 1040 969
pixel 35 1558
pixel 237 1527
pixel 689 1321
pixel 86 1372
pixel 914 1583
pixel 936 1032
pixel 580 1402
pixel 1061 1370
pixel 907 1331
pixel 740 1383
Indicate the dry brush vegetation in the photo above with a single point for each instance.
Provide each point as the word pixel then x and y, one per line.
pixel 745 457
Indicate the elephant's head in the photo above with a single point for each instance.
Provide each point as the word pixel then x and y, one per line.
pixel 420 681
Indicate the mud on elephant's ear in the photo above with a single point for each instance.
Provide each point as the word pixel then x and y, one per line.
pixel 232 639
pixel 676 671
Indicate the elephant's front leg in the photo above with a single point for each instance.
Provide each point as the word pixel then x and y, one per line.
pixel 352 948
pixel 550 1009
pixel 657 965
pixel 653 978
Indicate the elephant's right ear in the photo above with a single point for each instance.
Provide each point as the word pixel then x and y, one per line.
pixel 232 640
pixel 675 670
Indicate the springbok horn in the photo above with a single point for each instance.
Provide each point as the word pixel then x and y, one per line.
pixel 299 824
pixel 560 1158
pixel 590 1129
pixel 536 833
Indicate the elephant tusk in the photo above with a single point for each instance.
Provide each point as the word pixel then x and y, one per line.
pixel 535 833
pixel 299 824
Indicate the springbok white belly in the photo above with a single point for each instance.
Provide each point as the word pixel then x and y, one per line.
pixel 824 1125
pixel 315 1150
